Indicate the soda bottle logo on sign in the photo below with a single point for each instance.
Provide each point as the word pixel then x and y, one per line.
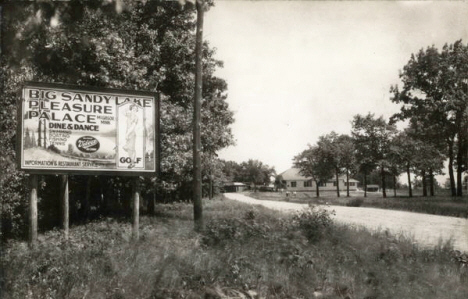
pixel 87 144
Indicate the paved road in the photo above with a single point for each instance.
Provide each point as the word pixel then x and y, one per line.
pixel 427 230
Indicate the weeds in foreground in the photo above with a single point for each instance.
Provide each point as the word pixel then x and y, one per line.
pixel 244 252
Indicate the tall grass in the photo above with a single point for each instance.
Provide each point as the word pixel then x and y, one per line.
pixel 244 251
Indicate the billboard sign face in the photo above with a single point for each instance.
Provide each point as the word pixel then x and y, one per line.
pixel 69 129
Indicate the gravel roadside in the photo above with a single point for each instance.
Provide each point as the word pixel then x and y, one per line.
pixel 427 230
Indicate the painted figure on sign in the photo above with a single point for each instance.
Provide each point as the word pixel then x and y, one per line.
pixel 130 135
pixel 149 141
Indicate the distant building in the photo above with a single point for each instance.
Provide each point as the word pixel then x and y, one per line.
pixel 234 187
pixel 294 181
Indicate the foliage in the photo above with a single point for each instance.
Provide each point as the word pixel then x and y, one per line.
pixel 402 155
pixel 119 44
pixel 253 172
pixel 355 202
pixel 170 261
pixel 339 152
pixel 434 99
pixel 372 137
pixel 313 162
pixel 257 173
pixel 220 232
pixel 280 183
pixel 330 148
pixel 313 222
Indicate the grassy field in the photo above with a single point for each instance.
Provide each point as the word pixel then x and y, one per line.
pixel 244 252
pixel 441 204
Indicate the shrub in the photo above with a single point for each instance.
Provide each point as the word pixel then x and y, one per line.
pixel 313 222
pixel 13 205
pixel 220 231
pixel 356 202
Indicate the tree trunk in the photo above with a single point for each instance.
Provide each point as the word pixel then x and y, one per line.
pixel 365 183
pixel 382 173
pixel 394 185
pixel 460 155
pixel 210 191
pixel 151 204
pixel 424 183
pixel 450 168
pixel 460 159
pixel 337 183
pixel 347 183
pixel 317 188
pixel 152 200
pixel 459 182
pixel 431 182
pixel 410 190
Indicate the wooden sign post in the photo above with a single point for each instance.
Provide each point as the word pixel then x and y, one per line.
pixel 65 206
pixel 33 210
pixel 136 209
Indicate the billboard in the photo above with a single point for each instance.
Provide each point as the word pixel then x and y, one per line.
pixel 70 129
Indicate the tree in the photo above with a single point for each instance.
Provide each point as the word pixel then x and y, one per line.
pixel 231 171
pixel 435 95
pixel 279 182
pixel 347 156
pixel 212 174
pixel 330 149
pixel 256 173
pixel 313 163
pixel 338 151
pixel 372 137
pixel 402 155
pixel 428 160
pixel 145 45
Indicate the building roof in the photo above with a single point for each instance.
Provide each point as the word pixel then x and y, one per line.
pixel 293 174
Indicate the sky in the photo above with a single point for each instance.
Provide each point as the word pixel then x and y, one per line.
pixel 297 70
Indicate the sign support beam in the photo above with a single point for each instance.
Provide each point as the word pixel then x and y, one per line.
pixel 136 209
pixel 33 210
pixel 65 206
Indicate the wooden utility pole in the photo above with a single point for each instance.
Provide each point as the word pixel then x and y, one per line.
pixel 136 209
pixel 33 210
pixel 197 187
pixel 65 206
